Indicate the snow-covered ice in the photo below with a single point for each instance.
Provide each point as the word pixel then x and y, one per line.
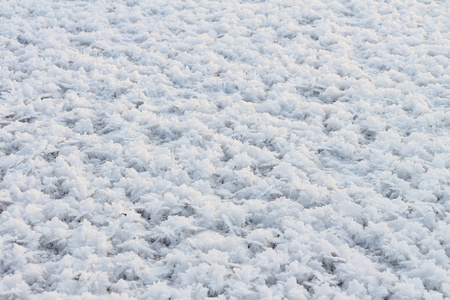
pixel 225 149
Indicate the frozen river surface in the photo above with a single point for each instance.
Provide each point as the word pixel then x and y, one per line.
pixel 224 149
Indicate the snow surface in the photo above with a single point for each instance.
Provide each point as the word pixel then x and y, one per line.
pixel 229 149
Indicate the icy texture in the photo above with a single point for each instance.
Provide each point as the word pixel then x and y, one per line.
pixel 239 150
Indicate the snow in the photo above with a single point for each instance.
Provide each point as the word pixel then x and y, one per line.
pixel 224 149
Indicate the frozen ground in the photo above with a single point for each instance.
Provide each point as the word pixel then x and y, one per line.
pixel 238 150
